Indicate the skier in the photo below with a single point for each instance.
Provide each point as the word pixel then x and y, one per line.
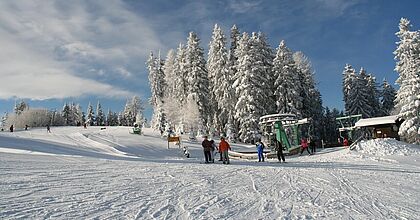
pixel 304 146
pixel 11 128
pixel 260 150
pixel 48 129
pixel 207 146
pixel 224 148
pixel 312 143
pixel 279 149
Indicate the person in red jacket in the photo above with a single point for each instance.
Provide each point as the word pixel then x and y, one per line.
pixel 346 142
pixel 304 146
pixel 224 148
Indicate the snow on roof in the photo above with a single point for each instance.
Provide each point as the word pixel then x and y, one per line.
pixel 376 121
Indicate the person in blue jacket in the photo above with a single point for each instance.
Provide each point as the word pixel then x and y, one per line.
pixel 260 150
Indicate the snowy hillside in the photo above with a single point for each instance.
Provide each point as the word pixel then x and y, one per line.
pixel 110 174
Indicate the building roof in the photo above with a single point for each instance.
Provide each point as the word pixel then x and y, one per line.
pixel 377 121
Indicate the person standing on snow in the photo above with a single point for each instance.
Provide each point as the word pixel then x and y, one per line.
pixel 279 149
pixel 207 147
pixel 304 146
pixel 224 148
pixel 346 142
pixel 213 147
pixel 312 144
pixel 260 151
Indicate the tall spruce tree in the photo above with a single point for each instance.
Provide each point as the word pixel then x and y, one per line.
pixel 90 117
pixel 219 79
pixel 197 77
pixel 311 97
pixel 287 84
pixel 157 85
pixel 388 98
pixel 249 89
pixel 100 118
pixel 407 56
pixel 67 115
pixel 349 78
pixel 232 126
pixel 358 99
pixel 373 96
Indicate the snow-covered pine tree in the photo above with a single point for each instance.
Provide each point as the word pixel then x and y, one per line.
pixel 76 110
pixel 267 84
pixel 373 95
pixel 249 90
pixel 112 118
pixel 358 99
pixel 407 56
pixel 349 78
pixel 100 117
pixel 157 86
pixel 67 115
pixel 20 107
pixel 388 98
pixel 90 118
pixel 83 118
pixel 233 125
pixel 197 76
pixel 120 118
pixel 287 85
pixel 169 70
pixel 311 97
pixel 330 128
pixel 127 114
pixel 219 80
pixel 171 101
pixel 181 82
pixel 4 120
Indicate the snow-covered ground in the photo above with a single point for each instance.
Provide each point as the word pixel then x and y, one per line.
pixel 110 174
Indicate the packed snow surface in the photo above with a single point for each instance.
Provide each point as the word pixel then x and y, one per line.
pixel 76 173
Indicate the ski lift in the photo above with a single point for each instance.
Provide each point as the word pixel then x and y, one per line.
pixel 286 128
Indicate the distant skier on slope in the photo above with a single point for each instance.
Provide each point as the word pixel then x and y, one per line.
pixel 207 147
pixel 224 148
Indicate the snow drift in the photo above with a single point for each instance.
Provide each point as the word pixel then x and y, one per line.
pixel 387 147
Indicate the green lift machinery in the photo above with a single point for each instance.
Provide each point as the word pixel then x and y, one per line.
pixel 286 128
pixel 347 124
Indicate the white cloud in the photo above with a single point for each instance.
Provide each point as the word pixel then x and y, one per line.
pixel 240 7
pixel 49 48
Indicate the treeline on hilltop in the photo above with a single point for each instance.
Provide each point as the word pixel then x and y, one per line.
pixel 233 88
pixel 236 85
pixel 72 115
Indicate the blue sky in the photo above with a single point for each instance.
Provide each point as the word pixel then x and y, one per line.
pixel 84 51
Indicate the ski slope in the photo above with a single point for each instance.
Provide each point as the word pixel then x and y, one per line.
pixel 109 174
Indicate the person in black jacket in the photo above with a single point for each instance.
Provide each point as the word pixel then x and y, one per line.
pixel 207 147
pixel 279 149
pixel 312 144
